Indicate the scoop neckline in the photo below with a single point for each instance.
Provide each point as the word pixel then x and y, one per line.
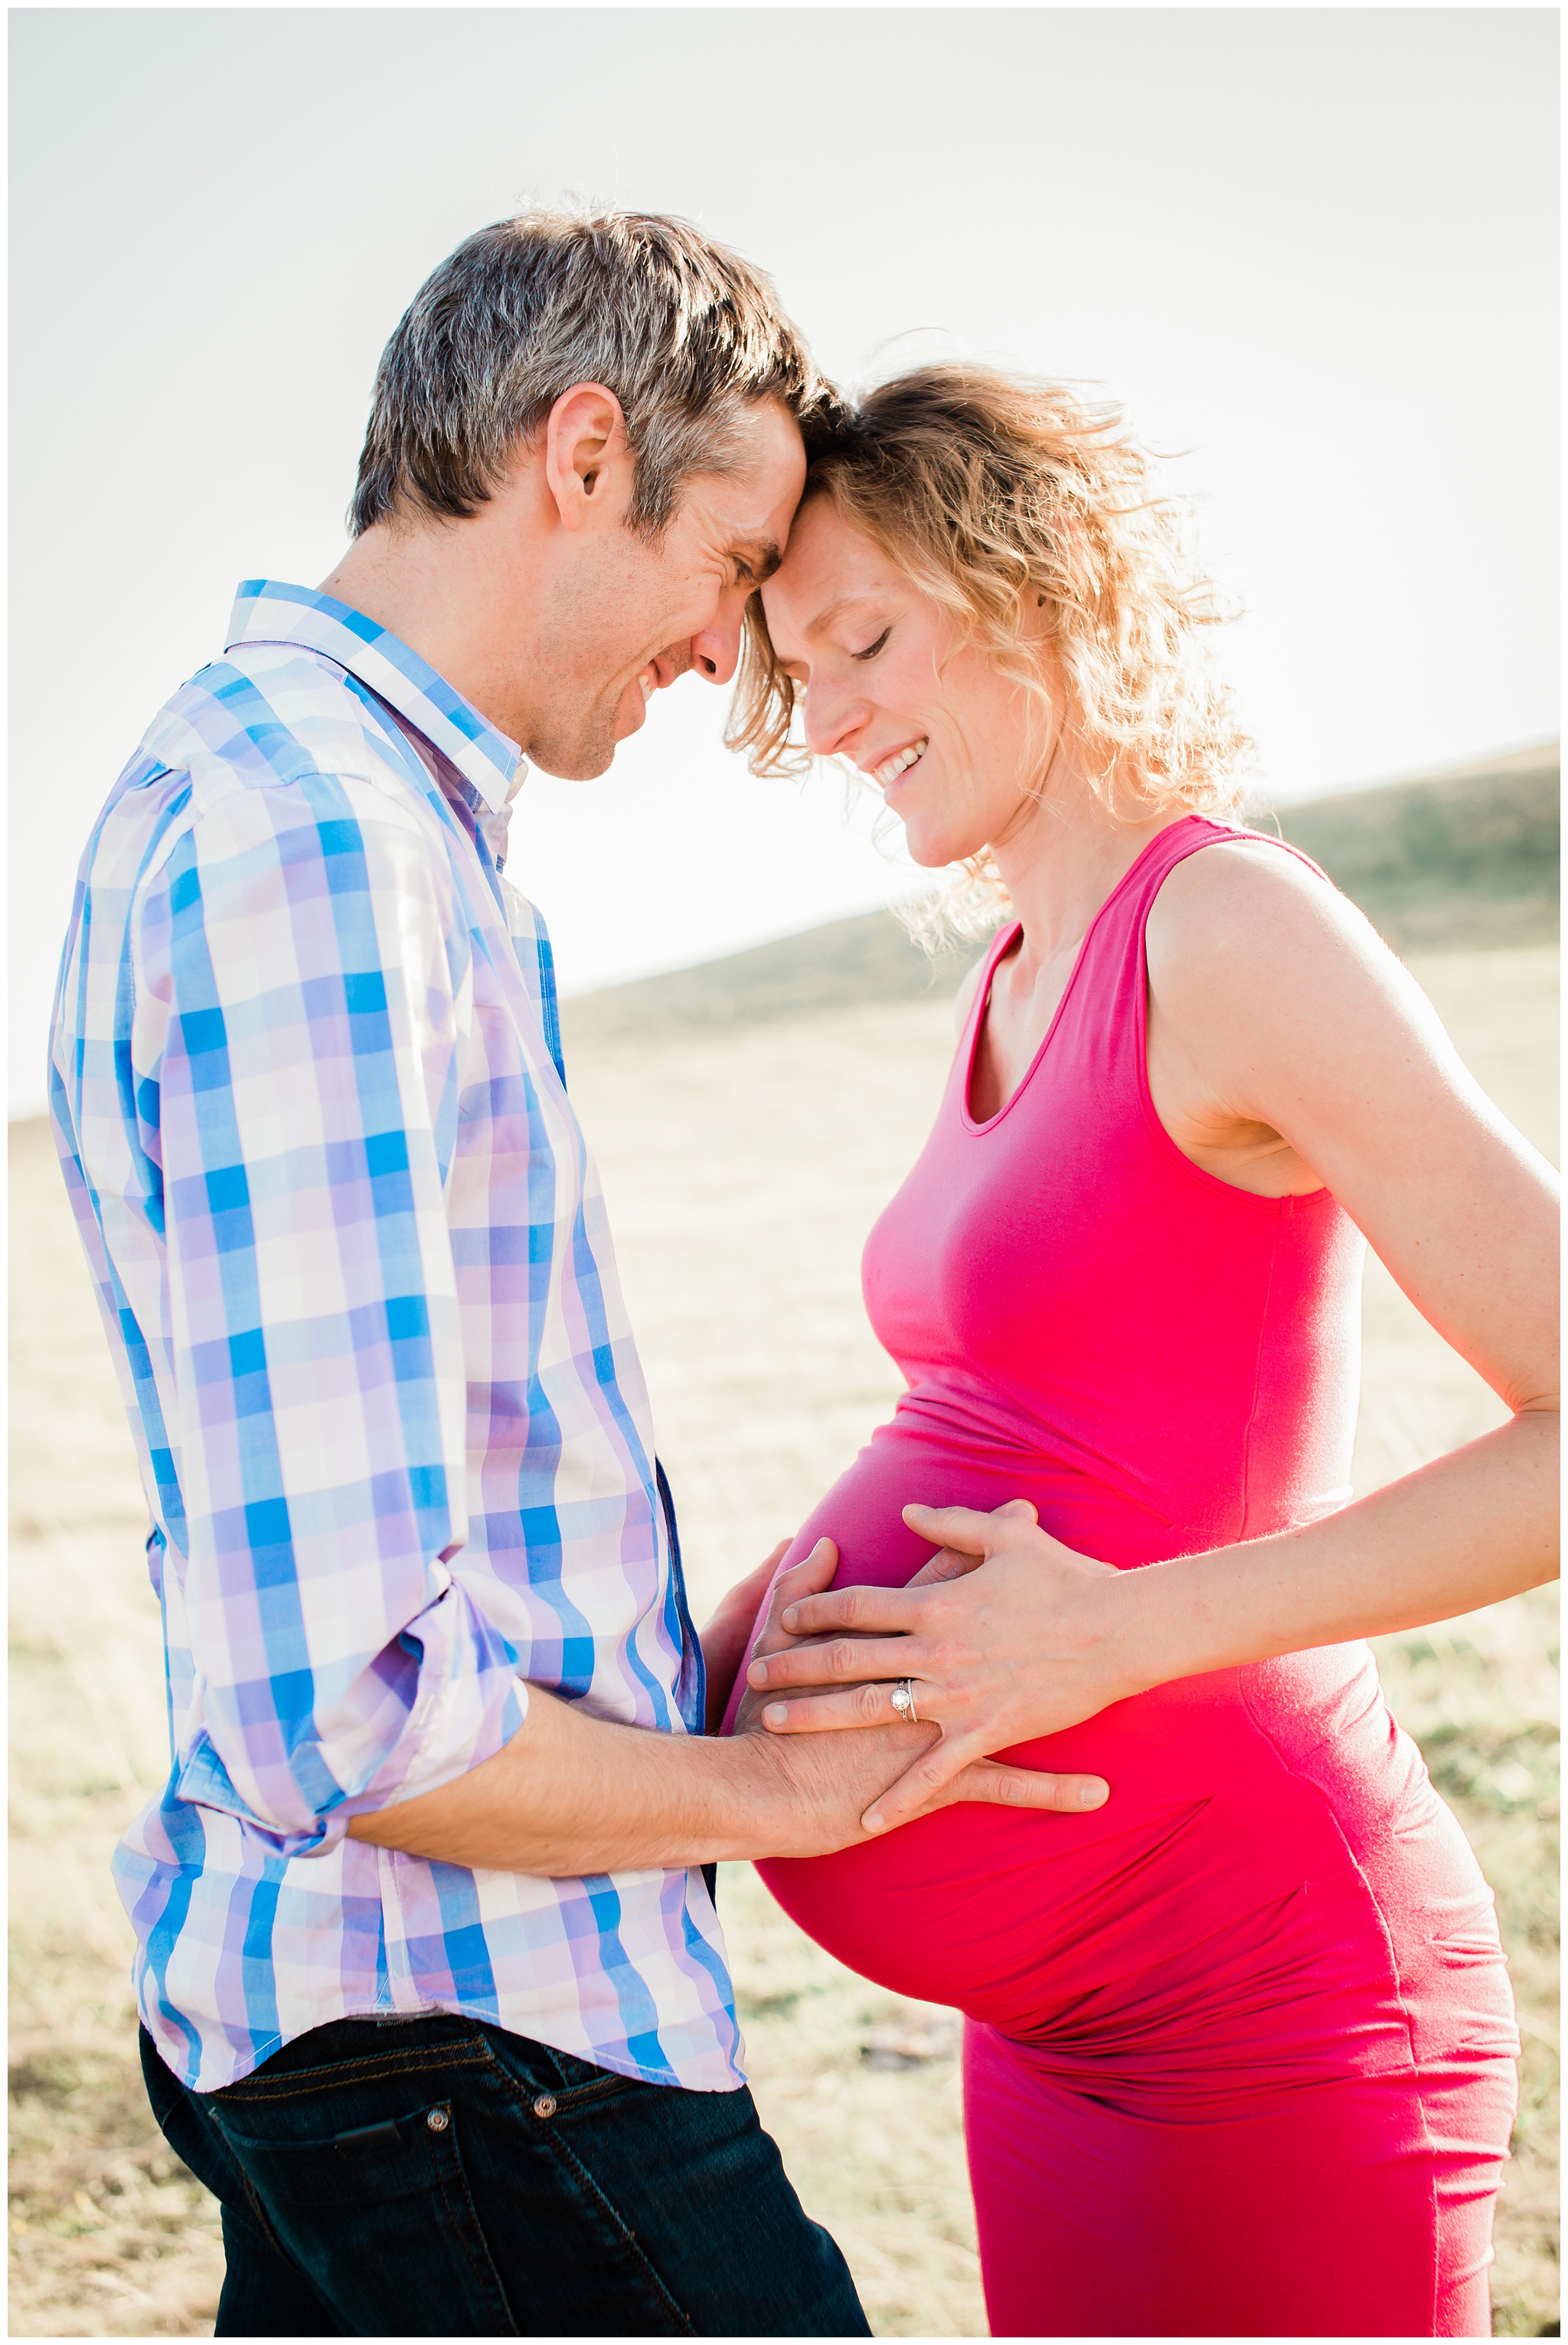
pixel 999 951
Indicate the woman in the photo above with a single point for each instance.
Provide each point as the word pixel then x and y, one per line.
pixel 1240 2041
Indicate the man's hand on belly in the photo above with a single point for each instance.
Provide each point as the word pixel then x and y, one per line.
pixel 572 1794
pixel 834 1797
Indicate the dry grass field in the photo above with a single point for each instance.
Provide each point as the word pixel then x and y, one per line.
pixel 743 1169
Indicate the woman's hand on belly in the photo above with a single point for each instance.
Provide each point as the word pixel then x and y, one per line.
pixel 996 1657
pixel 977 1778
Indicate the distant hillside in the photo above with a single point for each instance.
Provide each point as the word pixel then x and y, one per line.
pixel 868 959
pixel 1465 857
pixel 1468 856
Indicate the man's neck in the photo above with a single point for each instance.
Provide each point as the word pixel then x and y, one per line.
pixel 450 591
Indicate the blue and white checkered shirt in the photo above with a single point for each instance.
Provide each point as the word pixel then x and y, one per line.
pixel 353 1262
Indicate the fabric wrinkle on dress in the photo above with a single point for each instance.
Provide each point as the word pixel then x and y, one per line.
pixel 1239 2044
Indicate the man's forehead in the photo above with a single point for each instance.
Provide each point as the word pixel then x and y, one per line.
pixel 735 519
pixel 748 511
pixel 766 487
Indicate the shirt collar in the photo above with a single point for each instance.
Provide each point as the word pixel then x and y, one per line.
pixel 267 613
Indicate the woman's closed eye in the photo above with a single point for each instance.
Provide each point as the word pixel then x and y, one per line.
pixel 871 649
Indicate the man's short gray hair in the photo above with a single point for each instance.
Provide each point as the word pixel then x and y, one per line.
pixel 684 331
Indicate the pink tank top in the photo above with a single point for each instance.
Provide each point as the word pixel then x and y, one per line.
pixel 1162 1363
pixel 1176 1359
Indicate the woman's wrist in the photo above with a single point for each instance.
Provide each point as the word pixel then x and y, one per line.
pixel 1155 1632
pixel 1224 1606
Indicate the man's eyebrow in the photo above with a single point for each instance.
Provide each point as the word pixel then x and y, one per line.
pixel 761 561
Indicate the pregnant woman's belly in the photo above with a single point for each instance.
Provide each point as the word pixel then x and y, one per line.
pixel 1264 1896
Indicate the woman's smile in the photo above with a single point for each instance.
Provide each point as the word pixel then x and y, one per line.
pixel 892 770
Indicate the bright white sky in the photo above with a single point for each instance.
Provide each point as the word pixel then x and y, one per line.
pixel 1315 247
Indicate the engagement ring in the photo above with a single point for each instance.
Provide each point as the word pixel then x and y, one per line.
pixel 904 1701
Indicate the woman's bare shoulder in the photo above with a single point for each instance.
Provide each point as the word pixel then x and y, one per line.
pixel 1246 910
pixel 1244 870
pixel 1270 979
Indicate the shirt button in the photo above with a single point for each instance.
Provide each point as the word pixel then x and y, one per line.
pixel 438 2120
pixel 545 2106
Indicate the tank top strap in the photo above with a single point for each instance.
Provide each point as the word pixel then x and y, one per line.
pixel 1131 898
pixel 1142 883
pixel 1111 963
pixel 1102 1011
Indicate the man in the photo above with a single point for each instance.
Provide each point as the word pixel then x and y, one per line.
pixel 434 1993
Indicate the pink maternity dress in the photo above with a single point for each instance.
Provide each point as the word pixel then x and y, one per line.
pixel 1239 2044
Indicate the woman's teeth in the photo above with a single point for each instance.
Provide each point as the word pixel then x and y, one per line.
pixel 884 775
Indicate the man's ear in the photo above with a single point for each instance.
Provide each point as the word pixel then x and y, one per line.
pixel 587 459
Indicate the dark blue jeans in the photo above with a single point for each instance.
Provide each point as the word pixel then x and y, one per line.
pixel 439 2177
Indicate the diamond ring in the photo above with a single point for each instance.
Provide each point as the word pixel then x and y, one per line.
pixel 904 1701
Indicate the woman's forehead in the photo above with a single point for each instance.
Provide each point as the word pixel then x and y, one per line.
pixel 827 564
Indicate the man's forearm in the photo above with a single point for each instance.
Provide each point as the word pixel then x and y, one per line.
pixel 571 1794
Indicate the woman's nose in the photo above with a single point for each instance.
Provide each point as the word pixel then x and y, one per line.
pixel 833 718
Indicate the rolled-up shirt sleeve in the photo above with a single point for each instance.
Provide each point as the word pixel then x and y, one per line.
pixel 302 987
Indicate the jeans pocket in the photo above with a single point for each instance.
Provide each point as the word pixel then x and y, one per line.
pixel 548 2081
pixel 581 2083
pixel 378 2216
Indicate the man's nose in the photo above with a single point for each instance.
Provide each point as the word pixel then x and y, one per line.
pixel 716 649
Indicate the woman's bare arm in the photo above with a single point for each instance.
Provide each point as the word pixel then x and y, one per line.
pixel 1294 1039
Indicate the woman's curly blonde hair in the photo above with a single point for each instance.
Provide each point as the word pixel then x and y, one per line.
pixel 1013 503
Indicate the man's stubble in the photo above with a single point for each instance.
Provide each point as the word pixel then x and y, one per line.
pixel 598 629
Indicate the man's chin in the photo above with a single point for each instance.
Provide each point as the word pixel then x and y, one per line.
pixel 573 761
pixel 632 714
pixel 585 757
pixel 575 767
pixel 589 754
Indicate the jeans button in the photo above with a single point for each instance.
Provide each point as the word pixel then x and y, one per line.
pixel 438 2120
pixel 545 2106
